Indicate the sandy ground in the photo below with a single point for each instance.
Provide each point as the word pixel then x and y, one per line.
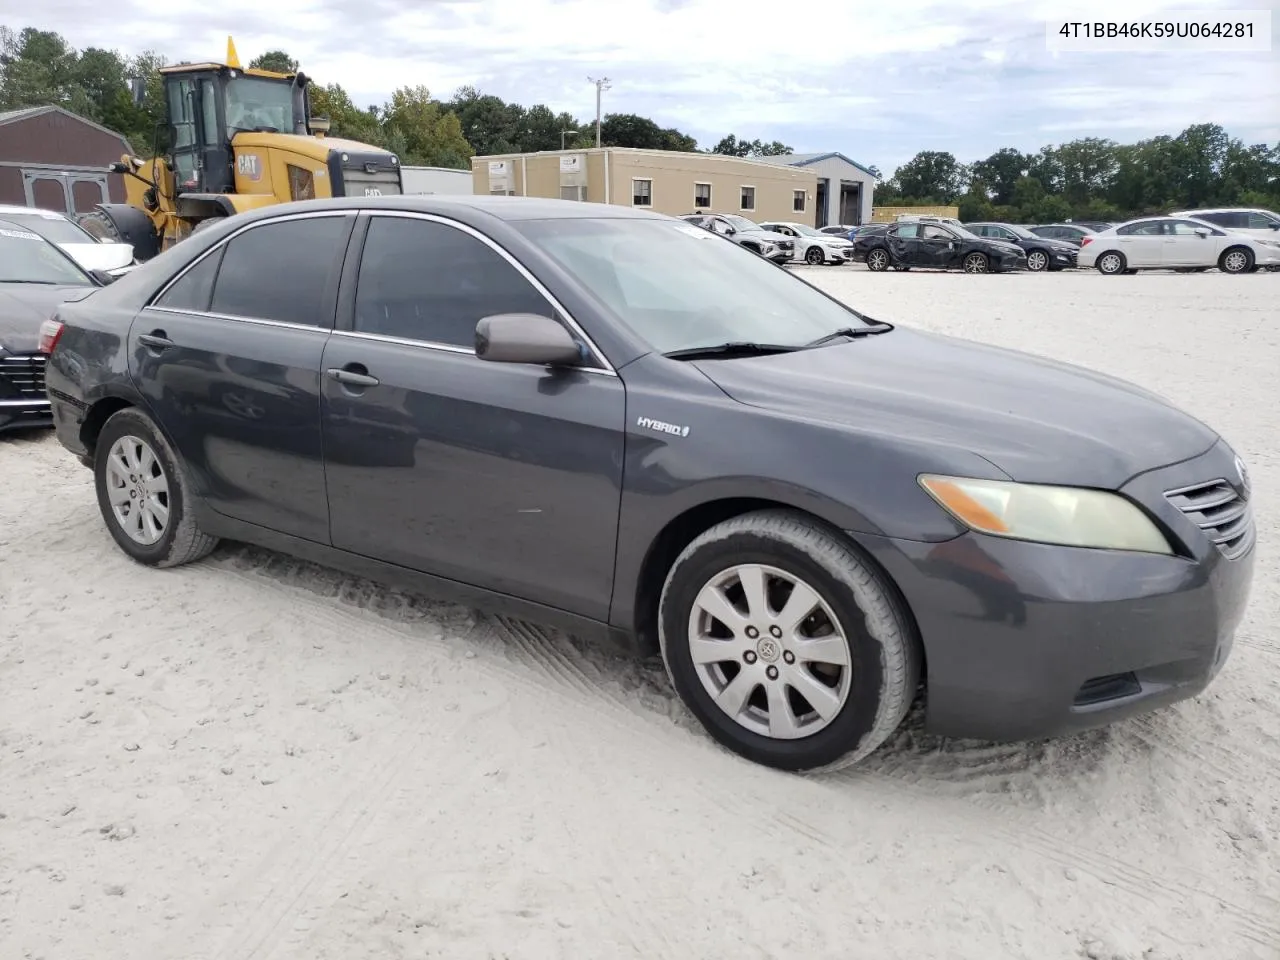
pixel 254 758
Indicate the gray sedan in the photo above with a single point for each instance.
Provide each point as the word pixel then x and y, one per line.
pixel 608 420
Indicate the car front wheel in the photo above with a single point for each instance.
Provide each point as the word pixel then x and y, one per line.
pixel 790 648
pixel 1037 260
pixel 1236 260
pixel 143 493
pixel 976 263
pixel 814 256
pixel 878 259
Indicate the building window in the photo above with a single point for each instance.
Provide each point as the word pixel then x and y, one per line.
pixel 748 198
pixel 573 193
pixel 642 193
pixel 702 196
pixel 798 198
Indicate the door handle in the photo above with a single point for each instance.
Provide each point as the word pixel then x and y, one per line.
pixel 156 340
pixel 352 376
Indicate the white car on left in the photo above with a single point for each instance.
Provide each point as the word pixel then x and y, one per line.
pixel 812 246
pixel 1175 243
pixel 109 256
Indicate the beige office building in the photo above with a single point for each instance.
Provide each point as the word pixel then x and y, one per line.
pixel 659 180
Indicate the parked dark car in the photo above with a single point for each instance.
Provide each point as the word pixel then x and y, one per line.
pixel 846 230
pixel 35 276
pixel 746 233
pixel 1073 233
pixel 1097 226
pixel 938 246
pixel 614 423
pixel 1041 252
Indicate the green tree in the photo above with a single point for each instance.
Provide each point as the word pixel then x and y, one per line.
pixel 999 172
pixel 731 146
pixel 431 134
pixel 932 175
pixel 275 60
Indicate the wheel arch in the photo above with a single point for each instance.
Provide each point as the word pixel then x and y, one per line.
pixel 96 417
pixel 685 527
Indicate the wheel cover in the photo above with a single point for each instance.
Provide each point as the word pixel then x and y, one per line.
pixel 770 651
pixel 975 263
pixel 1110 263
pixel 1037 261
pixel 137 490
pixel 1236 261
pixel 877 260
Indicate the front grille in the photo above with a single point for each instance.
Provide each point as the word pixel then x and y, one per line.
pixel 1216 508
pixel 22 376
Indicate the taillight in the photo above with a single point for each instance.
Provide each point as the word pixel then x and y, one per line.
pixel 50 334
pixel 1085 241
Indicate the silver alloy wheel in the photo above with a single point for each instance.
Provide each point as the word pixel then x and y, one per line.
pixel 975 263
pixel 137 490
pixel 1036 260
pixel 1237 261
pixel 770 651
pixel 877 260
pixel 1110 263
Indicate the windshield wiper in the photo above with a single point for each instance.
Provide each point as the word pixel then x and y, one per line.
pixel 47 283
pixel 851 333
pixel 742 348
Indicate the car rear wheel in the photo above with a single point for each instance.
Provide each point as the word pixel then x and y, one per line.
pixel 1236 260
pixel 1111 263
pixel 143 493
pixel 814 256
pixel 1037 260
pixel 790 648
pixel 976 263
pixel 878 259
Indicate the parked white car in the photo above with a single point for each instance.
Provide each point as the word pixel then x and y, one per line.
pixel 812 246
pixel 1175 243
pixel 1254 221
pixel 87 250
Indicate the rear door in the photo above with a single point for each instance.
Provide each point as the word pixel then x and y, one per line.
pixel 228 358
pixel 503 476
pixel 1142 243
pixel 904 243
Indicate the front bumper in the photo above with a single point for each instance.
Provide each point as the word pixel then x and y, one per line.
pixel 1267 256
pixel 1063 259
pixel 1025 640
pixel 23 402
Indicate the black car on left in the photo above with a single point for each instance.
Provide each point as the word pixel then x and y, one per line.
pixel 938 246
pixel 35 276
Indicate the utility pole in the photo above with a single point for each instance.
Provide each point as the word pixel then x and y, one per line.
pixel 601 85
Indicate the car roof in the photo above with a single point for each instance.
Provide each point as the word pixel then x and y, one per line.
pixel 462 205
pixel 14 208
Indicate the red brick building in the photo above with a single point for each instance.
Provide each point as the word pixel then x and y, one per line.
pixel 53 159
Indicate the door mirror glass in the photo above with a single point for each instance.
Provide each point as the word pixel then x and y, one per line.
pixel 102 277
pixel 1201 232
pixel 525 338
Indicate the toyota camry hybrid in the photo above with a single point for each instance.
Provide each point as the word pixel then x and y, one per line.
pixel 611 421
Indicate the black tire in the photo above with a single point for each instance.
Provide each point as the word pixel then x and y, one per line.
pixel 878 259
pixel 1038 260
pixel 1111 263
pixel 182 540
pixel 976 262
pixel 1236 260
pixel 815 257
pixel 100 225
pixel 884 658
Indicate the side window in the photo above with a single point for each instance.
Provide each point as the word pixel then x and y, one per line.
pixel 907 231
pixel 423 280
pixel 1259 221
pixel 935 233
pixel 195 288
pixel 1185 228
pixel 1147 228
pixel 280 271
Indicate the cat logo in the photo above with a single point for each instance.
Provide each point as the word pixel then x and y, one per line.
pixel 249 166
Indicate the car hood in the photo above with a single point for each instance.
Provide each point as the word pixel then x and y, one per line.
pixel 99 256
pixel 1038 420
pixel 24 306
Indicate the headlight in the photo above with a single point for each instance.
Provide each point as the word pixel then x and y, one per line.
pixel 1069 516
pixel 1269 243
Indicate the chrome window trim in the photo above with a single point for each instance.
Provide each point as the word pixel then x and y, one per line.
pixel 260 321
pixel 314 215
pixel 446 348
pixel 519 267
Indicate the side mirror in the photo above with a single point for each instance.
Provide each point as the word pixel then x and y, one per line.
pixel 525 338
pixel 102 277
pixel 1275 224
pixel 730 231
pixel 1201 232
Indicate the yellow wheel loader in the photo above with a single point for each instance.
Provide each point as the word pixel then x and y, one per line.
pixel 238 139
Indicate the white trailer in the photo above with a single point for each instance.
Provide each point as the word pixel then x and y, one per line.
pixel 445 180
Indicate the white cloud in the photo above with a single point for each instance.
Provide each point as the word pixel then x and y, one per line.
pixel 876 81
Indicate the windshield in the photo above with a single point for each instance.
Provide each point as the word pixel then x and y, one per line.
pixel 54 228
pixel 739 223
pixel 678 286
pixel 254 102
pixel 1020 232
pixel 27 258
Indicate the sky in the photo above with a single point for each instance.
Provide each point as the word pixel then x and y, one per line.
pixel 876 81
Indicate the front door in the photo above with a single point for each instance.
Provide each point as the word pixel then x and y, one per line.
pixel 228 358
pixel 936 247
pixel 503 476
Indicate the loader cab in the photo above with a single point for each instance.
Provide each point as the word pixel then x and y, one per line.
pixel 208 104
